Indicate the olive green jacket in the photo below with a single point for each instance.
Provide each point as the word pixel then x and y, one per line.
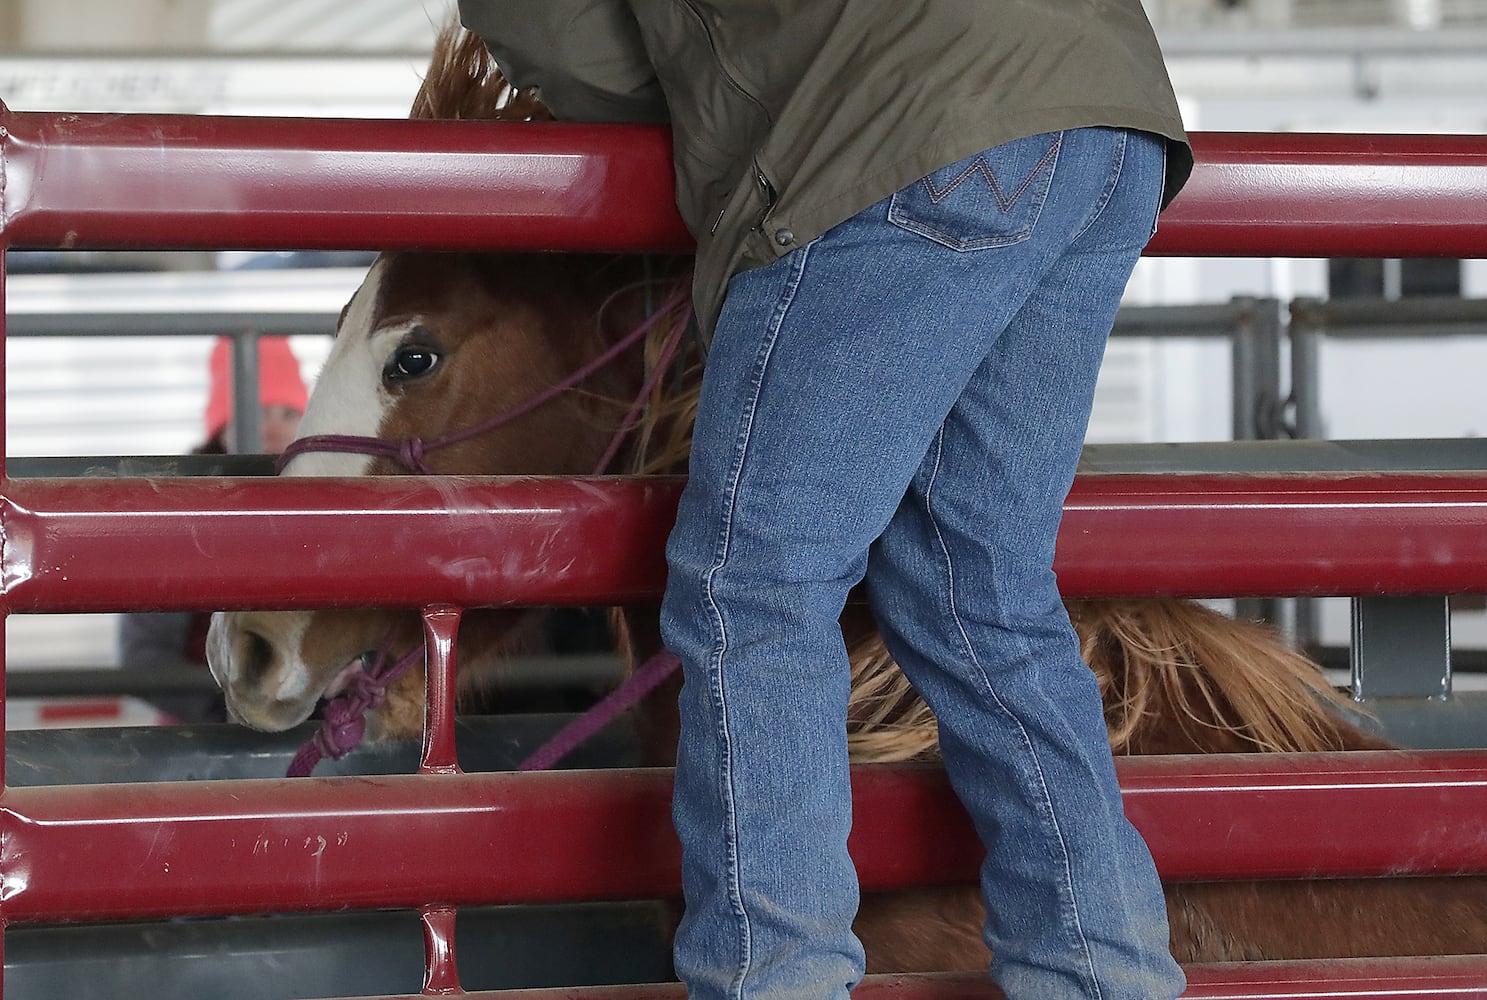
pixel 790 116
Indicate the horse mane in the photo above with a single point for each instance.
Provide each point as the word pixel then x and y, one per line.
pixel 1175 676
pixel 1225 684
pixel 464 83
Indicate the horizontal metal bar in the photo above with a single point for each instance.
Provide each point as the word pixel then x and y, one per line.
pixel 1408 317
pixel 1305 457
pixel 106 756
pixel 147 544
pixel 1454 977
pixel 165 181
pixel 1216 320
pixel 1333 40
pixel 64 683
pixel 136 466
pixel 587 672
pixel 168 324
pixel 1297 195
pixel 188 181
pixel 75 545
pixel 1285 455
pixel 1134 321
pixel 283 955
pixel 217 847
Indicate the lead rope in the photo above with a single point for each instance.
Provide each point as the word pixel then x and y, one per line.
pixel 343 722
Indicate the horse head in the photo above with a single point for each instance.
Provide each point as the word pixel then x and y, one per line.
pixel 428 347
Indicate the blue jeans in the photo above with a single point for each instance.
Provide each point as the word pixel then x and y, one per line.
pixel 905 399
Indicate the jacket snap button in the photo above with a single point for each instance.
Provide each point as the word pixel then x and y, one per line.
pixel 784 237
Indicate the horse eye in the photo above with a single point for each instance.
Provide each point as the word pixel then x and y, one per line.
pixel 410 362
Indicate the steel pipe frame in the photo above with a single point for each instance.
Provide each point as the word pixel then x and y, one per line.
pixel 181 182
pixel 219 847
pixel 157 181
pixel 76 545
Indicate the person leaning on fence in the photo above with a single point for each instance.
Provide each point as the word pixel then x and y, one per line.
pixel 172 639
pixel 914 221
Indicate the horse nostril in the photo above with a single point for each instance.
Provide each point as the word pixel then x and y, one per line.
pixel 257 658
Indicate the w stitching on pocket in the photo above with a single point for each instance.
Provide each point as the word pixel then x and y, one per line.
pixel 983 167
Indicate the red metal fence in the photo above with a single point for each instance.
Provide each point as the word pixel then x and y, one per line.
pixel 426 841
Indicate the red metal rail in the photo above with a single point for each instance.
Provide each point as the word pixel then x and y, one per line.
pixel 106 545
pixel 165 181
pixel 218 847
pixel 138 181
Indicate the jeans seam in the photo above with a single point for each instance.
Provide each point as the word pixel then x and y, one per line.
pixel 1123 140
pixel 983 166
pixel 899 217
pixel 1047 804
pixel 715 666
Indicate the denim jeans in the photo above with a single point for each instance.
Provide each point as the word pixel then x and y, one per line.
pixel 905 399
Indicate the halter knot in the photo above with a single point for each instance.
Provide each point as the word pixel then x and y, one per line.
pixel 410 455
pixel 343 720
pixel 341 730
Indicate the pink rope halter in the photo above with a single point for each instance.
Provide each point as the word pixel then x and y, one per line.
pixel 343 722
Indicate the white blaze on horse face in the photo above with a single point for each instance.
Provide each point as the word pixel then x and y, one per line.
pixel 349 397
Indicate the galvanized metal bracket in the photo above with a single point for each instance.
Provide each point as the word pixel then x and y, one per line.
pixel 1401 647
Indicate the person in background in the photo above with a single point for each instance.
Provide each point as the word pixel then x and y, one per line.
pixel 173 640
pixel 281 394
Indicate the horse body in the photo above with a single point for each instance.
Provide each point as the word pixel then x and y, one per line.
pixel 431 343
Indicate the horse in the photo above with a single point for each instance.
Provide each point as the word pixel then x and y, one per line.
pixel 431 343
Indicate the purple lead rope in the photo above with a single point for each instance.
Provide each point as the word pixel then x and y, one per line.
pixel 639 684
pixel 344 722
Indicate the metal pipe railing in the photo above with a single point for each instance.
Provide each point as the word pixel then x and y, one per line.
pixel 405 840
pixel 179 182
pixel 76 545
pixel 152 181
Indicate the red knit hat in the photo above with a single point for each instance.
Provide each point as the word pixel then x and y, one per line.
pixel 279 381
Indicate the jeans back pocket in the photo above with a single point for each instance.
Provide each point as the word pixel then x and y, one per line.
pixel 988 200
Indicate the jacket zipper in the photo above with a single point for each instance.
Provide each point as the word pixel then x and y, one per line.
pixel 728 76
pixel 712 46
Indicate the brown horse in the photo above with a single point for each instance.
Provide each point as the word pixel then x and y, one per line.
pixel 431 343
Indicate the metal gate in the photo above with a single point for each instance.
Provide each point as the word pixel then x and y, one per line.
pixel 428 841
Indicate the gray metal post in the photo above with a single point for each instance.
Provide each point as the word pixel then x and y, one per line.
pixel 1256 370
pixel 1257 399
pixel 1243 375
pixel 1307 328
pixel 247 417
pixel 1401 647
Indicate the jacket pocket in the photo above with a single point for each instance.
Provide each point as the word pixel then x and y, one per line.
pixel 992 199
